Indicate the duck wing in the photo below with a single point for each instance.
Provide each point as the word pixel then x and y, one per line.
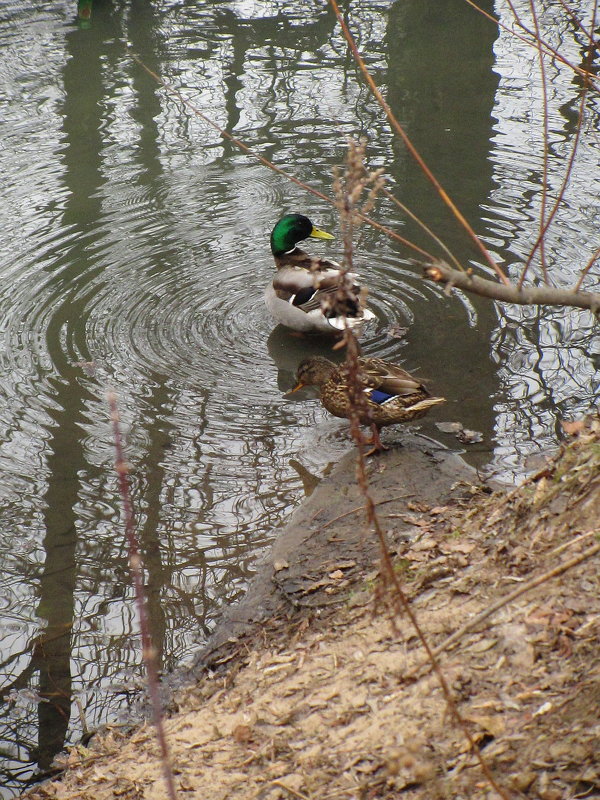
pixel 306 290
pixel 389 378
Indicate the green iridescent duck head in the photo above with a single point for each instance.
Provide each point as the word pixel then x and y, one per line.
pixel 290 230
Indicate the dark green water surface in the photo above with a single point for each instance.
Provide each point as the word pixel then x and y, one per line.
pixel 134 238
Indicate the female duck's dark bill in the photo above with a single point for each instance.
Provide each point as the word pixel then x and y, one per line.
pixel 295 389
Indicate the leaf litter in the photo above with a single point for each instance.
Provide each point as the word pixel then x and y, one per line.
pixel 332 701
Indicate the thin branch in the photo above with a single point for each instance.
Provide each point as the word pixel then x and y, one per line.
pixel 559 199
pixel 575 19
pixel 440 272
pixel 412 149
pixel 423 225
pixel 593 46
pixel 586 269
pixel 289 789
pixel 504 601
pixel 551 51
pixel 402 604
pixel 518 19
pixel 361 508
pixel 265 161
pixel 136 569
pixel 546 145
pixel 348 190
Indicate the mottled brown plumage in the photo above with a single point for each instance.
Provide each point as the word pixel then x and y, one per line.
pixel 389 394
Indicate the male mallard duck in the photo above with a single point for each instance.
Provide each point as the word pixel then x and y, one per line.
pixel 390 394
pixel 303 281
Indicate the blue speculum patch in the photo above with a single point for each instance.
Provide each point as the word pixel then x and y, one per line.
pixel 379 397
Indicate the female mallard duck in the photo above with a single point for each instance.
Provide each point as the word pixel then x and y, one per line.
pixel 388 393
pixel 303 281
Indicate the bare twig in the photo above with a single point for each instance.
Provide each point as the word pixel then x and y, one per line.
pixel 289 789
pixel 424 226
pixel 412 149
pixel 265 161
pixel 136 570
pixel 347 192
pixel 546 145
pixel 441 272
pixel 362 508
pixel 549 50
pixel 504 601
pixel 575 19
pixel 572 542
pixel 586 269
pixel 539 242
pixel 402 604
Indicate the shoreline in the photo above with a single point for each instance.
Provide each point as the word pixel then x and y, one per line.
pixel 416 470
pixel 316 685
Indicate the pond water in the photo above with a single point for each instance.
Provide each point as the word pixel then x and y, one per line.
pixel 135 238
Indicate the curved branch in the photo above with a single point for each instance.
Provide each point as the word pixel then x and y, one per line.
pixel 265 161
pixel 440 272
pixel 548 49
pixel 414 153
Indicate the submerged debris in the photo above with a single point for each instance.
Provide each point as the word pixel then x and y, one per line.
pixel 464 435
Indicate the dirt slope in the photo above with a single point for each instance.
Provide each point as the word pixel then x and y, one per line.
pixel 324 697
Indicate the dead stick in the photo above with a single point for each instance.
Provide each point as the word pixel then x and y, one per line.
pixel 503 601
pixel 361 508
pixel 440 272
pixel 136 569
pixel 414 153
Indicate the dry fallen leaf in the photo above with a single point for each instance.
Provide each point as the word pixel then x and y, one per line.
pixel 242 734
pixel 493 725
pixel 483 645
pixel 457 547
pixel 467 436
pixel 572 428
pixel 463 434
pixel 343 565
pixel 424 544
pixel 420 507
pixel 449 427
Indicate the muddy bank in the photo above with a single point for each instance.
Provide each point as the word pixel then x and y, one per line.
pixel 329 695
pixel 327 533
